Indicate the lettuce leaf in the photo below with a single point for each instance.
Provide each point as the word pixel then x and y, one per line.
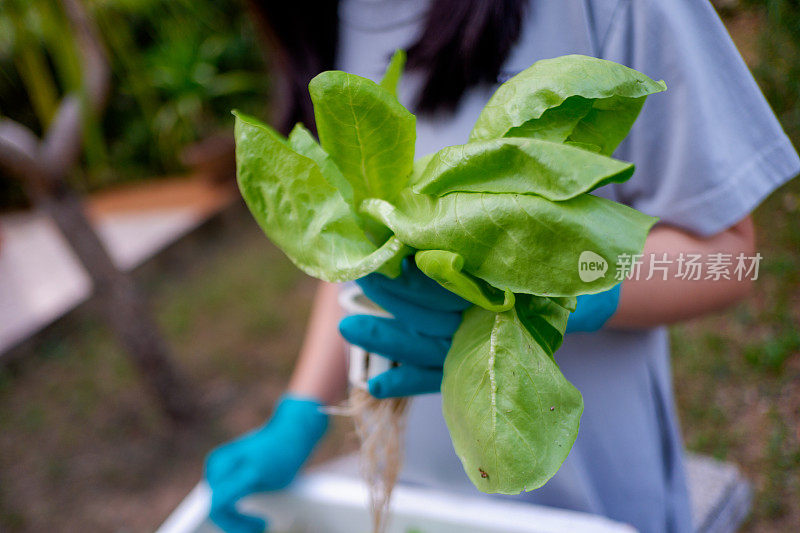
pixel 302 212
pixel 523 166
pixel 571 98
pixel 512 415
pixel 501 221
pixel 447 269
pixel 521 242
pixel 366 131
pixel 391 79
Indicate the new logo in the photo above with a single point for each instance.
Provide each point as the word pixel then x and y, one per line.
pixel 591 266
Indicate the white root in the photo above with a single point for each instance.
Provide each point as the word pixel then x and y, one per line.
pixel 380 426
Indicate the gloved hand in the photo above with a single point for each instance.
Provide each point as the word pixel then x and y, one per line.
pixel 594 310
pixel 265 459
pixel 425 317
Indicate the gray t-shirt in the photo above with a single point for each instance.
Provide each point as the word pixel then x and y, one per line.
pixel 706 152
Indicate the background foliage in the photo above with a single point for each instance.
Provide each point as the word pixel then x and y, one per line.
pixel 179 67
pixel 778 67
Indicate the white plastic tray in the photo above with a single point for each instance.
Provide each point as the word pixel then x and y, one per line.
pixel 334 503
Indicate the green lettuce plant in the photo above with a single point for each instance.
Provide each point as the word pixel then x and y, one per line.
pixel 501 221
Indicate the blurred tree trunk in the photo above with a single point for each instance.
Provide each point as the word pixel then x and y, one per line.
pixel 123 305
pixel 43 165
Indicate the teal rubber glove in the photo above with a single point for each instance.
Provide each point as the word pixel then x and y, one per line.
pixel 594 310
pixel 265 459
pixel 425 317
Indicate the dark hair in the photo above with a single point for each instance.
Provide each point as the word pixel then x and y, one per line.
pixel 463 43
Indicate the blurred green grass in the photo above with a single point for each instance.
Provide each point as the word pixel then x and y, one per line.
pixel 737 374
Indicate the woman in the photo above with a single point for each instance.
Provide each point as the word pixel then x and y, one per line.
pixel 707 152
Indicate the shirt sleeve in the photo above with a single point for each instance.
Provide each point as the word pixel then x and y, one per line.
pixel 709 149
